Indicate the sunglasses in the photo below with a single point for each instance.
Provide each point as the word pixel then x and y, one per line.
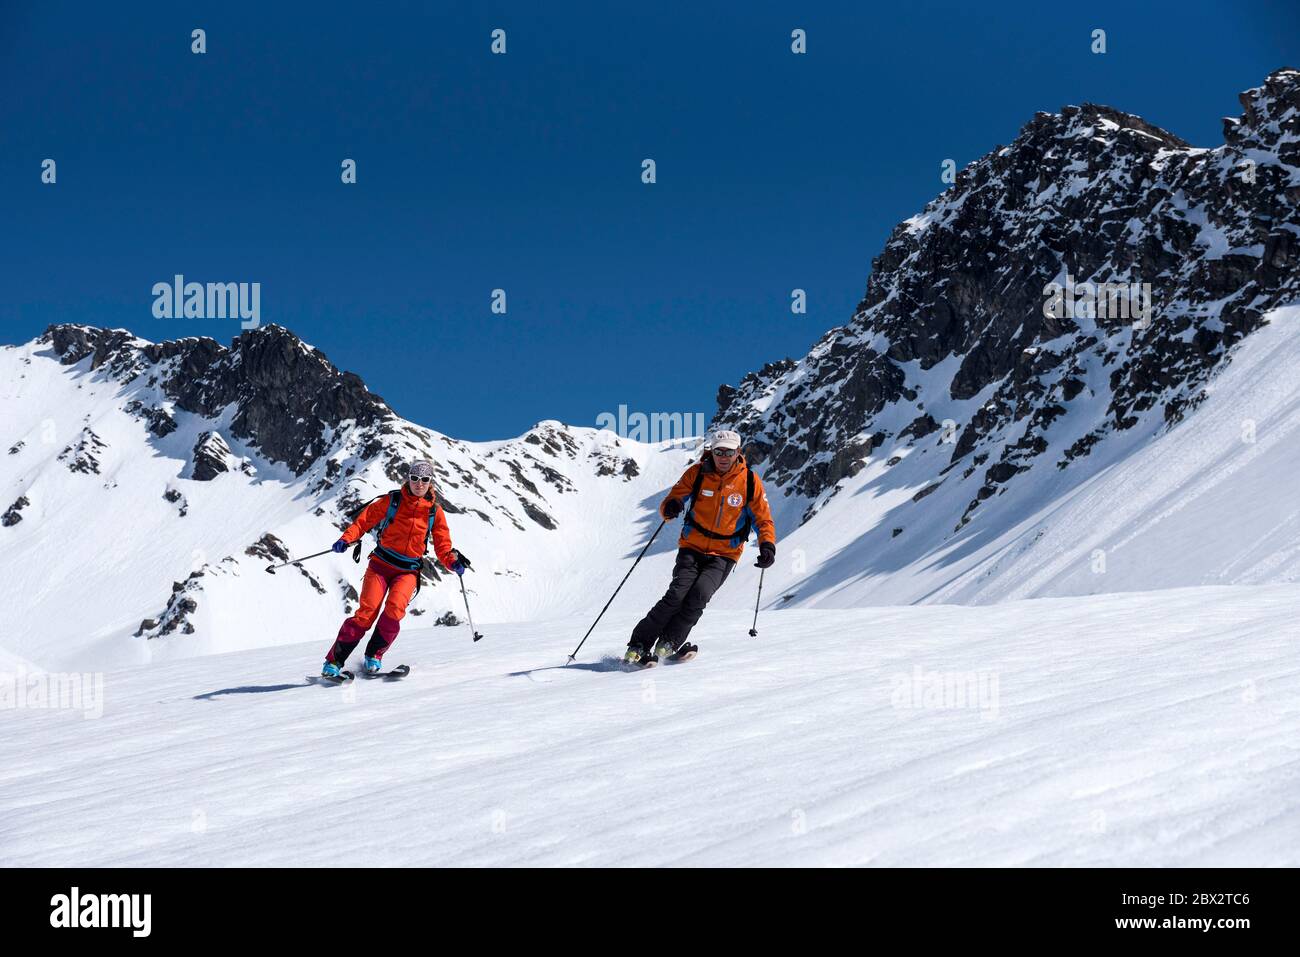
pixel 727 452
pixel 421 478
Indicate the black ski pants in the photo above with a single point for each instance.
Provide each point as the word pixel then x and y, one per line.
pixel 696 577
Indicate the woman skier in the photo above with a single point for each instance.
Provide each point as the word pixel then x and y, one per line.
pixel 403 521
pixel 723 499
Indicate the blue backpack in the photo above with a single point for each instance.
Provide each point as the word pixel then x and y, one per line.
pixel 387 554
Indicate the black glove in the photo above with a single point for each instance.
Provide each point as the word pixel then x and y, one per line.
pixel 672 508
pixel 461 562
pixel 766 555
pixel 341 546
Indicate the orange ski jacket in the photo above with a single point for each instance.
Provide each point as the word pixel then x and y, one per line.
pixel 715 524
pixel 408 533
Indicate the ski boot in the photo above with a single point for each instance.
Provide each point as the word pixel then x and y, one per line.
pixel 638 657
pixel 372 666
pixel 334 674
pixel 666 650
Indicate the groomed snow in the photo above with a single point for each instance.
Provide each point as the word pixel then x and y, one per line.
pixel 1138 729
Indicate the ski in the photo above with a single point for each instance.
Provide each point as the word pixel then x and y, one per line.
pixel 684 654
pixel 401 671
pixel 342 679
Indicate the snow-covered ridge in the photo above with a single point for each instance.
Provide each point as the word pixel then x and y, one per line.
pixel 951 443
pixel 964 402
pixel 156 481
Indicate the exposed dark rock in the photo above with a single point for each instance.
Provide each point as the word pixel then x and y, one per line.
pixel 1091 193
pixel 13 515
pixel 537 514
pixel 268 547
pixel 159 421
pixel 556 480
pixel 315 582
pixel 84 456
pixel 174 496
pixel 920 427
pixel 288 394
pixel 925 491
pixel 521 479
pixel 212 456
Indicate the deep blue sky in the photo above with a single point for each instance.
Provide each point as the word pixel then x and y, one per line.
pixel 523 172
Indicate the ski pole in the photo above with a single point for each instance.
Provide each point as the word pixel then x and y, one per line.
pixel 464 594
pixel 270 569
pixel 616 591
pixel 753 632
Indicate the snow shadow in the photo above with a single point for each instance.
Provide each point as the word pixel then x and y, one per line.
pixel 607 663
pixel 246 689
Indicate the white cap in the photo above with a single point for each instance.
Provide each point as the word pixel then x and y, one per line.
pixel 725 439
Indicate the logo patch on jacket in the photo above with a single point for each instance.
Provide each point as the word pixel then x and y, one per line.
pixel 706 493
pixel 734 499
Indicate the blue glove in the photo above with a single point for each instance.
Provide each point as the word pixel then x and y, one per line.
pixel 460 564
pixel 340 546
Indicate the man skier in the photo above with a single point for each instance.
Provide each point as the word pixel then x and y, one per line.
pixel 403 521
pixel 723 499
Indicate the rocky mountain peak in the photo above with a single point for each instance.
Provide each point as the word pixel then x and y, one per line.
pixel 1271 118
pixel 288 394
pixel 1168 256
pixel 1095 122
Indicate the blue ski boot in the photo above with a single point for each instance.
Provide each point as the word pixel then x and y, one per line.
pixel 372 666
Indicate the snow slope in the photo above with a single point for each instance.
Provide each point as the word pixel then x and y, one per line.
pixel 116 527
pixel 1210 501
pixel 100 548
pixel 1138 729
